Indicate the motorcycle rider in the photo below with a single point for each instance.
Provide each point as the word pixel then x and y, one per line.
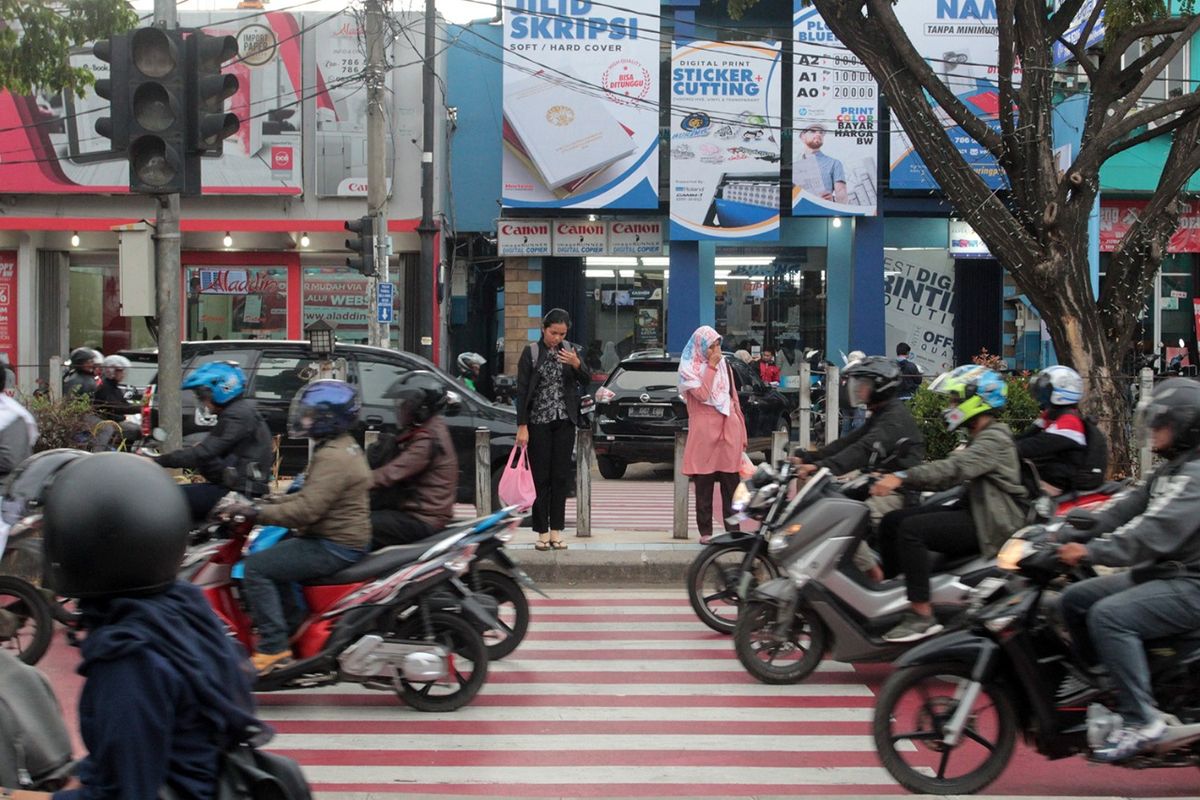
pixel 165 689
pixel 82 378
pixel 874 384
pixel 330 515
pixel 989 467
pixel 1057 441
pixel 239 439
pixel 109 401
pixel 476 373
pixel 414 475
pixel 1151 528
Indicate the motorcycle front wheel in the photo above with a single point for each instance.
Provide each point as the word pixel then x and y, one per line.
pixel 26 622
pixel 773 655
pixel 713 580
pixel 513 612
pixel 466 670
pixel 911 713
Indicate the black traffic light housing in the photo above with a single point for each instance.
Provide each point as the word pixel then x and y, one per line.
pixel 207 90
pixel 157 118
pixel 115 127
pixel 364 245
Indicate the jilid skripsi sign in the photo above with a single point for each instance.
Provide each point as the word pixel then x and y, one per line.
pixel 579 238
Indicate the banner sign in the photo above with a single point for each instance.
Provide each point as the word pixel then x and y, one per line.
pixel 1058 51
pixel 523 237
pixel 639 237
pixel 918 306
pixel 959 39
pixel 580 104
pixel 8 308
pixel 1118 216
pixel 835 116
pixel 580 238
pixel 965 242
pixel 725 141
pixel 50 144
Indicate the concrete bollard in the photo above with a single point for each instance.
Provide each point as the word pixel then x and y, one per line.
pixel 483 472
pixel 805 406
pixel 833 395
pixel 583 482
pixel 679 515
pixel 56 378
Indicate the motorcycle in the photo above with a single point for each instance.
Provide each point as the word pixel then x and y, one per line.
pixel 823 603
pixel 379 622
pixel 735 563
pixel 964 695
pixel 26 615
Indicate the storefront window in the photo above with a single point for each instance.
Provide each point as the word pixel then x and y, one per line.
pixel 237 303
pixel 626 305
pixel 95 312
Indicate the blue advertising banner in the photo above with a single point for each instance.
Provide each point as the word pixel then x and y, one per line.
pixel 580 104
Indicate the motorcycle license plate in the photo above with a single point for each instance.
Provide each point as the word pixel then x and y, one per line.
pixel 647 412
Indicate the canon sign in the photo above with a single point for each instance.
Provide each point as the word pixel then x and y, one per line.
pixel 525 230
pixel 523 238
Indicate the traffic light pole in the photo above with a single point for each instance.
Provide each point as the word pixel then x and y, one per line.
pixel 378 333
pixel 166 273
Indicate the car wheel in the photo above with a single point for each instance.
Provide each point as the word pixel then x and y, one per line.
pixel 611 468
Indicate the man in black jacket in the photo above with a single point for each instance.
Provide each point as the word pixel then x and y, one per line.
pixel 240 439
pixel 110 404
pixel 910 379
pixel 872 382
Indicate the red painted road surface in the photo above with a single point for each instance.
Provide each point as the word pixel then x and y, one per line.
pixel 625 694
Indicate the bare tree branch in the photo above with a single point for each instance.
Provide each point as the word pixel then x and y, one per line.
pixel 1153 133
pixel 1149 76
pixel 1060 20
pixel 1081 56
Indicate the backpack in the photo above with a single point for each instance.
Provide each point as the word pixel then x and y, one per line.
pixel 35 747
pixel 1095 458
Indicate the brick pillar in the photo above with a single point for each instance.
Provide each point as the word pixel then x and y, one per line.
pixel 522 307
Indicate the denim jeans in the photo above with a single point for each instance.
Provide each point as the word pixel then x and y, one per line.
pixel 270 575
pixel 1113 616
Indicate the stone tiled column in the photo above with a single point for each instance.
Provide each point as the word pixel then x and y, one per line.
pixel 522 307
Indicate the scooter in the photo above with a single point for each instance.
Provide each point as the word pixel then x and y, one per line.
pixel 823 603
pixel 947 720
pixel 377 622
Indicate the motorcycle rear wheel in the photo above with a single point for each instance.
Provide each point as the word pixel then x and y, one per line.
pixel 513 613
pixel 991 728
pixel 771 660
pixel 26 623
pixel 467 669
pixel 713 585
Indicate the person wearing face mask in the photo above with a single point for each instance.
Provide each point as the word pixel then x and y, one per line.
pixel 550 375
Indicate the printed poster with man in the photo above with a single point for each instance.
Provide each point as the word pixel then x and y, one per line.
pixel 835 118
pixel 580 104
pixel 725 141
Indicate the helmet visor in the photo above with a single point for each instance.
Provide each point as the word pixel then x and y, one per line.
pixel 301 416
pixel 859 390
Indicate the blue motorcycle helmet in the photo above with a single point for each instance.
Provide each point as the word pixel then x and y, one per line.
pixel 323 409
pixel 222 382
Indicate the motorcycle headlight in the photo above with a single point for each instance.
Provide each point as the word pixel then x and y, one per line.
pixel 741 497
pixel 777 543
pixel 1012 552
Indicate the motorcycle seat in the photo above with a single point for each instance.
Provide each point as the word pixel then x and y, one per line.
pixel 375 564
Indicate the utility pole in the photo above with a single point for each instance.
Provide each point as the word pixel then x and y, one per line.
pixel 427 230
pixel 167 276
pixel 378 332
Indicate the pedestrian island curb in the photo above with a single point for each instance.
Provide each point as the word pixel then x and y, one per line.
pixel 609 557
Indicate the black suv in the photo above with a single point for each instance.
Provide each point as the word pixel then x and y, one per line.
pixel 277 370
pixel 638 411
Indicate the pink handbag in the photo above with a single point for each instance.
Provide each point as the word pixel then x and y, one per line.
pixel 516 484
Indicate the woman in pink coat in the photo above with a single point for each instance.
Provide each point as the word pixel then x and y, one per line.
pixel 716 430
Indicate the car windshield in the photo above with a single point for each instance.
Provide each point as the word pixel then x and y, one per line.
pixel 644 380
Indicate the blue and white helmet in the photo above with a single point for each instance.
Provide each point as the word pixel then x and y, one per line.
pixel 1057 386
pixel 222 381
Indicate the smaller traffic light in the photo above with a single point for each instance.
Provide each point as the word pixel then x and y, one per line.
pixel 207 90
pixel 364 245
pixel 114 89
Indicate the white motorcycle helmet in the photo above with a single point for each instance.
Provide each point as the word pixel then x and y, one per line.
pixel 1057 386
pixel 114 363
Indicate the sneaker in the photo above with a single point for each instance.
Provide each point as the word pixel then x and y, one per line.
pixel 913 627
pixel 268 662
pixel 1130 740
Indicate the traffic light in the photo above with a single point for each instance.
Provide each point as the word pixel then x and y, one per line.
pixel 207 90
pixel 114 52
pixel 158 118
pixel 364 245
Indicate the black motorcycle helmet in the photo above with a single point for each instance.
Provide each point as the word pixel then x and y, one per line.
pixel 82 356
pixel 418 396
pixel 26 488
pixel 114 524
pixel 1175 404
pixel 881 374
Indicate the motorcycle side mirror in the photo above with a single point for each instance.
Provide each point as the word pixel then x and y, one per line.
pixel 158 435
pixel 1080 519
pixel 453 403
pixel 878 453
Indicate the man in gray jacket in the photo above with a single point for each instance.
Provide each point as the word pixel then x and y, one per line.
pixel 989 467
pixel 1152 528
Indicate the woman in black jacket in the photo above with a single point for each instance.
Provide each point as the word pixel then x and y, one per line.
pixel 550 373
